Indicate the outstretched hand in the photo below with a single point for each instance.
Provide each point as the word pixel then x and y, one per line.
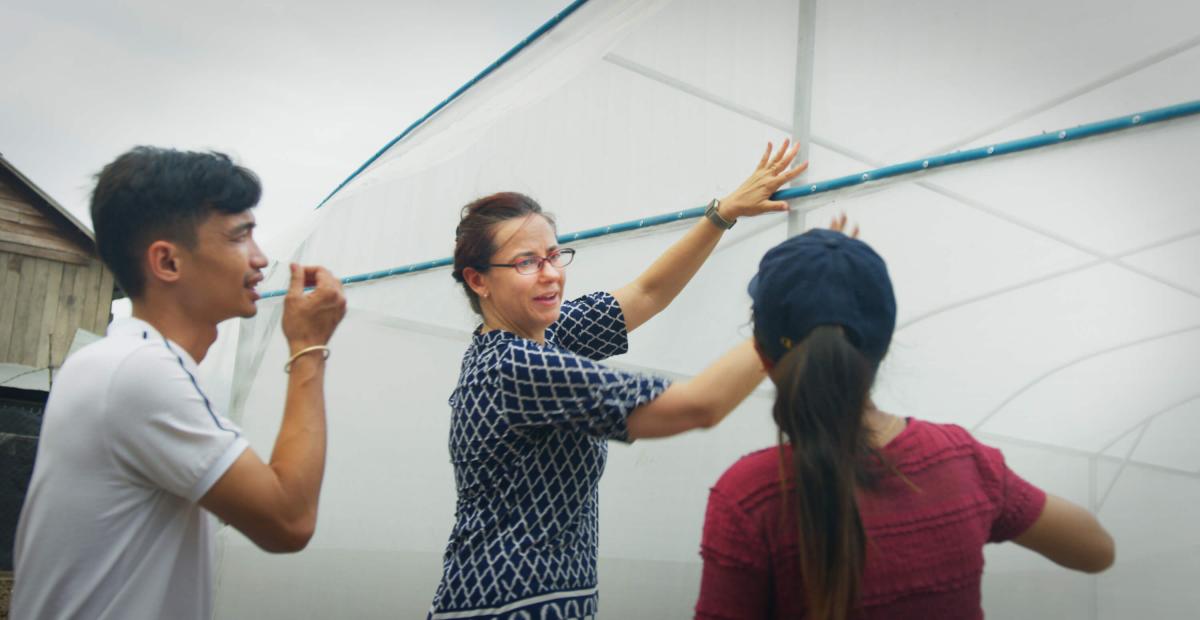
pixel 753 197
pixel 839 225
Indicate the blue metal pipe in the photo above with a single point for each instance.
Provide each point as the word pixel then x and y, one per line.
pixel 939 161
pixel 1013 146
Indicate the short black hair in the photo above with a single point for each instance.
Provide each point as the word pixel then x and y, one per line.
pixel 150 194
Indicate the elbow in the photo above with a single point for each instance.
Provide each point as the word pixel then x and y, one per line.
pixel 1096 565
pixel 1097 557
pixel 1102 558
pixel 289 536
pixel 297 539
pixel 706 416
pixel 703 410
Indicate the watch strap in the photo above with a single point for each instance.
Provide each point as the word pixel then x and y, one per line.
pixel 714 216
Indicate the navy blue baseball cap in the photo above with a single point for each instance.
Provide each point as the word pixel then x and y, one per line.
pixel 823 277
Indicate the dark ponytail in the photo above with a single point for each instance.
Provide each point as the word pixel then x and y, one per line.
pixel 823 385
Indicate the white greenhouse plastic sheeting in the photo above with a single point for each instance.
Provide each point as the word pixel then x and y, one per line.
pixel 1049 300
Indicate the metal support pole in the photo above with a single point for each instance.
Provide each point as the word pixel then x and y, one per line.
pixel 802 104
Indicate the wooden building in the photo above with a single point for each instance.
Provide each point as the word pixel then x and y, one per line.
pixel 52 284
pixel 51 279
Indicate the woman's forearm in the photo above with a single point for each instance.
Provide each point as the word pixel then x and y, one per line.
pixel 728 381
pixel 702 401
pixel 658 286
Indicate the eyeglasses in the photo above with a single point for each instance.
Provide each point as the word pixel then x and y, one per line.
pixel 533 264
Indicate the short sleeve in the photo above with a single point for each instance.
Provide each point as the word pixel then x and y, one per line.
pixel 736 580
pixel 592 326
pixel 164 430
pixel 545 386
pixel 1016 502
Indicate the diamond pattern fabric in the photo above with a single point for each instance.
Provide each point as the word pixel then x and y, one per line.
pixel 528 440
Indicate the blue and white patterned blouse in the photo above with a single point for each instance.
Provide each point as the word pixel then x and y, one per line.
pixel 528 440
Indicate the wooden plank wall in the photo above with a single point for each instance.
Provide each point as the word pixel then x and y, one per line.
pixel 43 302
pixel 26 230
pixel 49 285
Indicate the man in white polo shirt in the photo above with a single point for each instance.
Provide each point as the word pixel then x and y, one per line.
pixel 133 457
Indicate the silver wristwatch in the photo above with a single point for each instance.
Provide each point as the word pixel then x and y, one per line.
pixel 714 216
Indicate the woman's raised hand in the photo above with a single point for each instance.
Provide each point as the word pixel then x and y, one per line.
pixel 839 225
pixel 753 197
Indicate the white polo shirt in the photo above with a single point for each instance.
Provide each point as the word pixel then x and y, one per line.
pixel 110 527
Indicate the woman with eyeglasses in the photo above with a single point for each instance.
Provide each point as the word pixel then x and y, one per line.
pixel 533 409
pixel 859 513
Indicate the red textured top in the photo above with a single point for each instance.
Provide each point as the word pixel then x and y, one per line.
pixel 924 550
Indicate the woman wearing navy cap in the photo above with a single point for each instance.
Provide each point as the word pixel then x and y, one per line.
pixel 860 513
pixel 533 409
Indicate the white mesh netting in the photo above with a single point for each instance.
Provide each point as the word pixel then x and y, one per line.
pixel 1049 300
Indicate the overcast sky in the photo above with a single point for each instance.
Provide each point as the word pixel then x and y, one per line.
pixel 301 92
